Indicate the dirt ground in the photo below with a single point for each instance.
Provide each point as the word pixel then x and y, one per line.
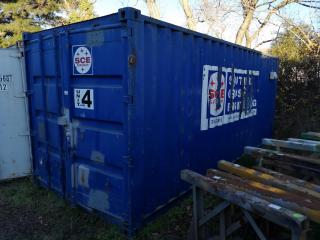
pixel 30 212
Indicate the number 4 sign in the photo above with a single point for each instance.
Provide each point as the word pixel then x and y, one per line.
pixel 84 98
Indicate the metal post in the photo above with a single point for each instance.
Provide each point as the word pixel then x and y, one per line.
pixel 222 226
pixel 254 225
pixel 198 211
pixel 296 235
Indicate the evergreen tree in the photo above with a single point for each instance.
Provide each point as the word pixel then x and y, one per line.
pixel 78 10
pixel 18 16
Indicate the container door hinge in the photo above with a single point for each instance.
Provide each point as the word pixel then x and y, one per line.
pixel 128 99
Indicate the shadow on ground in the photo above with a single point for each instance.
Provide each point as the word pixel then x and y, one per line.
pixel 29 212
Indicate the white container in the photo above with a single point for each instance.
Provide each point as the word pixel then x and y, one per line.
pixel 15 146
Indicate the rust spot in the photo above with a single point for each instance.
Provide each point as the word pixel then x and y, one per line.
pixel 132 59
pixel 82 178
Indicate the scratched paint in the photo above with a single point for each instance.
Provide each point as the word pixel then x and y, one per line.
pixel 99 200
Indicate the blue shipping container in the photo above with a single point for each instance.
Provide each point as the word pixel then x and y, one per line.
pixel 120 104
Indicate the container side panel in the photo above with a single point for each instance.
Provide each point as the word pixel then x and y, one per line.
pixel 204 100
pixel 15 158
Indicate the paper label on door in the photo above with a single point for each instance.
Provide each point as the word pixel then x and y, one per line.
pixel 84 98
pixel 5 80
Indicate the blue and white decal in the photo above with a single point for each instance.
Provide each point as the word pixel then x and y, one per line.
pixel 228 95
pixel 82 60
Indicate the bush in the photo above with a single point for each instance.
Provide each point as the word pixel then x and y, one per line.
pixel 298 97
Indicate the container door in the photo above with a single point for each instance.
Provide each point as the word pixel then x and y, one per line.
pixel 44 79
pixel 98 113
pixel 15 157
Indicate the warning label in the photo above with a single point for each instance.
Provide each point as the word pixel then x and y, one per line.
pixel 82 60
pixel 84 98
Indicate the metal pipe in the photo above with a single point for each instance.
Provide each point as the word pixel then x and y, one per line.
pixel 285 182
pixel 309 206
pixel 279 215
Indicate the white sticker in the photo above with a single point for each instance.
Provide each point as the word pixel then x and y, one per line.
pixel 223 92
pixel 82 60
pixel 5 80
pixel 84 98
pixel 216 177
pixel 274 206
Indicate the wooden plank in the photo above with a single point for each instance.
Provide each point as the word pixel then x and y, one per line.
pixel 261 153
pixel 299 140
pixel 314 148
pixel 299 182
pixel 285 183
pixel 222 226
pixel 198 212
pixel 311 136
pixel 279 215
pixel 216 211
pixel 308 205
pixel 294 168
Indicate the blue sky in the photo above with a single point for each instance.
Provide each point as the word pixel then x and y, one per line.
pixel 171 11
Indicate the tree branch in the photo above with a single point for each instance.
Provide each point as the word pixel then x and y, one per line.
pixel 269 15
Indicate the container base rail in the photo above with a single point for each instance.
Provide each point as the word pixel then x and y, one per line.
pixel 281 189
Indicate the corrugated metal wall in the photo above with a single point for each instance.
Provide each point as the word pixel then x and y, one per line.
pixel 15 147
pixel 122 103
pixel 169 92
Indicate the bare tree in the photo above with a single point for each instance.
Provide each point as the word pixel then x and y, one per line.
pixel 214 14
pixel 250 8
pixel 305 34
pixel 153 8
pixel 189 14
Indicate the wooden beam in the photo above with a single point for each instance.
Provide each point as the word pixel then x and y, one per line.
pixel 297 181
pixel 311 136
pixel 279 181
pixel 314 148
pixel 279 215
pixel 261 153
pixel 306 204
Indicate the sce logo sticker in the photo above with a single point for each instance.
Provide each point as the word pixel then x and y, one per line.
pixel 82 60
